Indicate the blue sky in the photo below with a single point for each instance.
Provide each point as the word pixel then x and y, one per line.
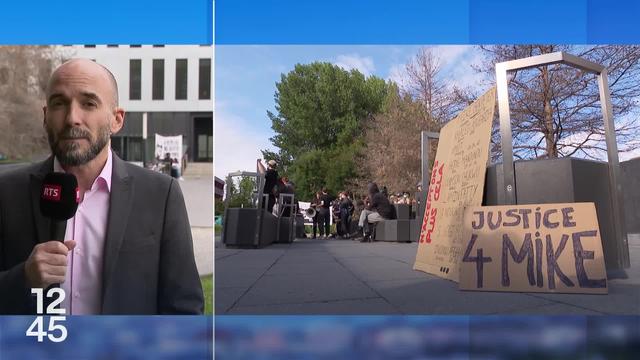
pixel 245 78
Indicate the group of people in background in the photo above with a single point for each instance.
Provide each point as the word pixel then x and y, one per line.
pixel 376 206
pixel 168 165
pixel 372 208
pixel 341 208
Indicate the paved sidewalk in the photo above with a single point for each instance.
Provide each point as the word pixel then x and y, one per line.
pixel 348 277
pixel 203 249
pixel 198 198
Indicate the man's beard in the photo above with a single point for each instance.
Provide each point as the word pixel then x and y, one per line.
pixel 70 153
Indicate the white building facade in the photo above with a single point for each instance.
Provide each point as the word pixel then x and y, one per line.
pixel 165 90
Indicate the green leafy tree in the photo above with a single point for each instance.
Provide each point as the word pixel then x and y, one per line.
pixel 321 111
pixel 241 194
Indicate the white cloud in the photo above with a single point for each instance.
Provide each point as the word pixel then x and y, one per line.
pixel 237 144
pixel 354 61
pixel 626 151
pixel 456 67
pixel 458 62
pixel 397 74
pixel 629 151
pixel 450 53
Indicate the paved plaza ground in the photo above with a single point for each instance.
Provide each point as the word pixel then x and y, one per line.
pixel 348 277
pixel 198 197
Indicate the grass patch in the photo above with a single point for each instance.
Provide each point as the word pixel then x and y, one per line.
pixel 207 288
pixel 10 161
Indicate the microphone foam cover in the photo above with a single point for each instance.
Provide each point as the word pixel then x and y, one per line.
pixel 59 196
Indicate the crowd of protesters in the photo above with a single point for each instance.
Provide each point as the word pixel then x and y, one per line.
pixel 354 218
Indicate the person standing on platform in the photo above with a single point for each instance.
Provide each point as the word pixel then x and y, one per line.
pixel 270 181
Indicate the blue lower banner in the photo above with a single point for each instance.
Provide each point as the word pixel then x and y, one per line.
pixel 427 337
pixel 311 337
pixel 106 337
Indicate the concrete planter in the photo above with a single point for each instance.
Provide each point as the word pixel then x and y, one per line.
pixel 240 227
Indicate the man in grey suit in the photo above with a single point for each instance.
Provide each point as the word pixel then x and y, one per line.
pixel 128 249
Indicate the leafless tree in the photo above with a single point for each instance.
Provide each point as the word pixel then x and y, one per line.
pixel 555 109
pixel 392 156
pixel 24 72
pixel 424 82
pixel 421 102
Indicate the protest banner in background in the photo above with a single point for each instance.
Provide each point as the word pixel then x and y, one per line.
pixel 533 248
pixel 457 181
pixel 171 145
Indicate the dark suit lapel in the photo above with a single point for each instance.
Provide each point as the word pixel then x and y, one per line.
pixel 41 223
pixel 120 203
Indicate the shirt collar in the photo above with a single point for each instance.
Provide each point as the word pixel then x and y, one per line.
pixel 104 176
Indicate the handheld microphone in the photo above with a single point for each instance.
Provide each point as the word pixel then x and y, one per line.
pixel 59 200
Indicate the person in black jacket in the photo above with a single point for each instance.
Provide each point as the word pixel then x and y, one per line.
pixel 346 210
pixel 316 205
pixel 270 182
pixel 324 214
pixel 128 248
pixel 379 209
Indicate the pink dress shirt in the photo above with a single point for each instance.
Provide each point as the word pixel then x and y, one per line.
pixel 83 284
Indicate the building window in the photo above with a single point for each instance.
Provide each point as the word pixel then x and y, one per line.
pixel 135 79
pixel 128 148
pixel 157 79
pixel 89 46
pixel 181 79
pixel 135 46
pixel 158 45
pixel 112 45
pixel 204 88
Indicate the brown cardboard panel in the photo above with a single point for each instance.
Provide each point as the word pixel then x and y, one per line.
pixel 457 181
pixel 533 248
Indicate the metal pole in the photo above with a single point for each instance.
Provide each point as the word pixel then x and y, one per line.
pixel 505 135
pixel 615 186
pixel 424 144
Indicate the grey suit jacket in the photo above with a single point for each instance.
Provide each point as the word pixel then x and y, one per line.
pixel 149 266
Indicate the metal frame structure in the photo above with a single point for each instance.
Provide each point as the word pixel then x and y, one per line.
pixel 259 199
pixel 282 205
pixel 615 184
pixel 425 145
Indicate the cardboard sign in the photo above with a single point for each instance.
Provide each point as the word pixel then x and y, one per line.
pixel 171 145
pixel 533 248
pixel 457 181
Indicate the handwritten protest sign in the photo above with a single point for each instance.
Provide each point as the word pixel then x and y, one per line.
pixel 533 248
pixel 457 181
pixel 171 145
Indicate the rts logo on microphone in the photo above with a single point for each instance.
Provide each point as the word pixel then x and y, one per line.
pixel 51 192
